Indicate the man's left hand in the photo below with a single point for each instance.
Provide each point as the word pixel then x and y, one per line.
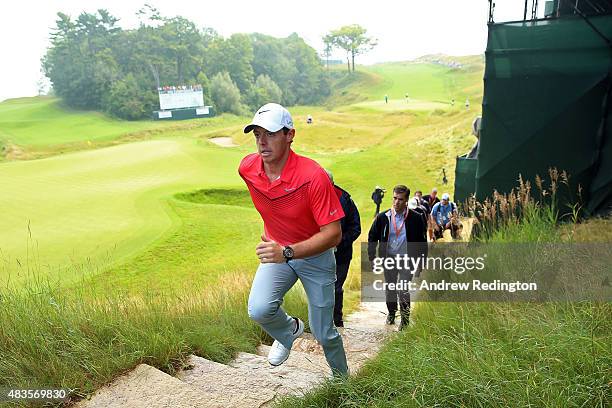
pixel 269 251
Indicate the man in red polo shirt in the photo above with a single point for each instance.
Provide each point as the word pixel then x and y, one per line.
pixel 301 215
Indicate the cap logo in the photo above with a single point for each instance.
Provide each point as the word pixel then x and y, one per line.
pixel 260 112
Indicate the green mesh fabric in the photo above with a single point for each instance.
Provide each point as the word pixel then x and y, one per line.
pixel 545 87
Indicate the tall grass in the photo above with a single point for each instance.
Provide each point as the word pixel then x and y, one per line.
pixel 522 214
pixel 80 340
pixel 486 355
pixel 491 354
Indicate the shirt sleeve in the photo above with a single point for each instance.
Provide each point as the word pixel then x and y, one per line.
pixel 324 202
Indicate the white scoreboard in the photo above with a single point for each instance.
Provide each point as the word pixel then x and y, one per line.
pixel 180 98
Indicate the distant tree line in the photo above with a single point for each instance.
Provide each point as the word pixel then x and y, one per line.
pixel 94 64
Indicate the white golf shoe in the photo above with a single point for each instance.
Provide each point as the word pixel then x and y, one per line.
pixel 278 353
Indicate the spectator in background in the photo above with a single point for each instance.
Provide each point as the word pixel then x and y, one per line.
pixel 432 198
pixel 389 236
pixel 444 216
pixel 419 196
pixel 351 229
pixel 417 206
pixel 476 132
pixel 377 197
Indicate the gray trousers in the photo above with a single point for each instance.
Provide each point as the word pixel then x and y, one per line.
pixel 318 275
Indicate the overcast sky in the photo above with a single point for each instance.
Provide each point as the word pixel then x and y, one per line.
pixel 405 29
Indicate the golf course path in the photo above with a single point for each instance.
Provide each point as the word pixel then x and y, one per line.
pixel 248 380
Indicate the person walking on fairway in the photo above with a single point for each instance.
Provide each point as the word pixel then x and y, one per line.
pixel 301 215
pixel 351 230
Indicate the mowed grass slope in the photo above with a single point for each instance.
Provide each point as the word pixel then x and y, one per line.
pixel 423 81
pixel 38 127
pixel 44 121
pixel 100 204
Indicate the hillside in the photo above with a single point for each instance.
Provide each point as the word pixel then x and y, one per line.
pixel 113 200
pixel 150 233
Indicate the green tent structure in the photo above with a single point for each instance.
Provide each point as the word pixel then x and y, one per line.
pixel 547 103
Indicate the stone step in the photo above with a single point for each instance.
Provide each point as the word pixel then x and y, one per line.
pixel 300 372
pixel 235 388
pixel 298 360
pixel 148 387
pixel 249 382
pixel 359 345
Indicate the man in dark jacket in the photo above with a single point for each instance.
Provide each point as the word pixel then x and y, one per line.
pixel 432 198
pixel 351 229
pixel 393 232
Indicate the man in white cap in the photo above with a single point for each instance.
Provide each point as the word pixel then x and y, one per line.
pixel 301 215
pixel 441 217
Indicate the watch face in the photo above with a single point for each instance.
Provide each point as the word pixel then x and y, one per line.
pixel 288 252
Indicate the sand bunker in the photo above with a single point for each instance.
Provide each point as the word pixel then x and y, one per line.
pixel 223 141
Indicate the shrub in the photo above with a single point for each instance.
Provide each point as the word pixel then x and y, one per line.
pixel 225 94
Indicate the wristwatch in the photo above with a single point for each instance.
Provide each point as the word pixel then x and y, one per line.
pixel 288 253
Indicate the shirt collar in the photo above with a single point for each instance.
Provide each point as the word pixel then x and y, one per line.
pixel 287 169
pixel 391 210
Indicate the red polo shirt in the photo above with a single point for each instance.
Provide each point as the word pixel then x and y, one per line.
pixel 295 206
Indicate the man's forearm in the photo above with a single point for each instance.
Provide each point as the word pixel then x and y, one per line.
pixel 319 242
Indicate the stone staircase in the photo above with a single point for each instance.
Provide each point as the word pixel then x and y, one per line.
pixel 248 380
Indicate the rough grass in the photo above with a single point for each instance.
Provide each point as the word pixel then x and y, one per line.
pixel 489 354
pixel 485 355
pixel 81 340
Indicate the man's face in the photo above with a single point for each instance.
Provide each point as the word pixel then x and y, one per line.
pixel 399 201
pixel 444 201
pixel 434 193
pixel 418 195
pixel 272 145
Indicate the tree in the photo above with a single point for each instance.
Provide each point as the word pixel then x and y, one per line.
pixel 264 91
pixel 353 40
pixel 93 64
pixel 182 44
pixel 234 56
pixel 225 94
pixel 204 82
pixel 80 63
pixel 127 100
pixel 328 46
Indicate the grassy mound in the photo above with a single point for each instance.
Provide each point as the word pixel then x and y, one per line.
pixel 222 196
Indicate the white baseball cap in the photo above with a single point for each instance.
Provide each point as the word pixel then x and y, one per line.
pixel 272 117
pixel 445 196
pixel 413 203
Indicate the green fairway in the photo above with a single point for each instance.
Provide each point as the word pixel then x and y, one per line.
pixel 421 81
pixel 43 121
pixel 101 203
